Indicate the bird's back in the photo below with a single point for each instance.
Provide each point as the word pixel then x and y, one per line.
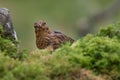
pixel 63 37
pixel 57 38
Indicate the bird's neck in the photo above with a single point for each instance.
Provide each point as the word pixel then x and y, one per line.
pixel 41 35
pixel 41 41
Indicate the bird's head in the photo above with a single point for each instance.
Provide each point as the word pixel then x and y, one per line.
pixel 41 27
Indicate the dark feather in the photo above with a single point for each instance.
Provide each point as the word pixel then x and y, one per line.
pixel 56 31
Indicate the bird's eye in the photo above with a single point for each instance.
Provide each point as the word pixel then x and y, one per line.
pixel 47 28
pixel 34 26
pixel 43 29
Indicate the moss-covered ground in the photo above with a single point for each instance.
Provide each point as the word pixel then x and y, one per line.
pixel 93 57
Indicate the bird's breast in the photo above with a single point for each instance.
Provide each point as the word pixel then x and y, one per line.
pixel 42 43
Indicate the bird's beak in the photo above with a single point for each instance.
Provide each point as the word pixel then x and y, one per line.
pixel 40 25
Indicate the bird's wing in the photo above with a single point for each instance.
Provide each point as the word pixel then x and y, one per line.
pixel 62 37
pixel 59 38
pixel 65 38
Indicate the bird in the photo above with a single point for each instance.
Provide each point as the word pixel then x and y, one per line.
pixel 6 23
pixel 47 39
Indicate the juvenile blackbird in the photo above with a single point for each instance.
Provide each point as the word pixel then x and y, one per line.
pixel 47 39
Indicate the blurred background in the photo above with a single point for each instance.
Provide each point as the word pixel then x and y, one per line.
pixel 74 18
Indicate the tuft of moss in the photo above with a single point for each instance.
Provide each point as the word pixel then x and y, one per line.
pixel 9 47
pixel 111 31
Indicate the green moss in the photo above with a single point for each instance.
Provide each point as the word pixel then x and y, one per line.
pixel 111 31
pixel 8 46
pixel 97 55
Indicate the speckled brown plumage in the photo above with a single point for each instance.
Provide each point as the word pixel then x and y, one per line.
pixel 45 38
